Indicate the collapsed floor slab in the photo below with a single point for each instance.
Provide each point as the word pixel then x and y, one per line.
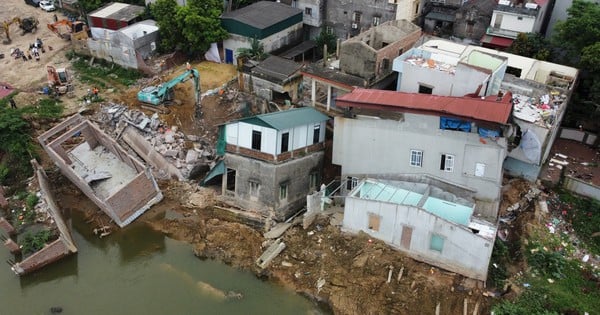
pixel 115 181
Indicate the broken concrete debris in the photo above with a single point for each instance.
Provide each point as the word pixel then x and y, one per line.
pixel 187 153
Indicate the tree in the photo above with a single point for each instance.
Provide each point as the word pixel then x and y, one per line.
pixel 579 30
pixel 190 28
pixel 578 40
pixel 531 45
pixel 255 52
pixel 326 38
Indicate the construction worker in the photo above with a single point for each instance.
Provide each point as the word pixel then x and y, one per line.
pixel 13 105
pixel 95 93
pixel 188 66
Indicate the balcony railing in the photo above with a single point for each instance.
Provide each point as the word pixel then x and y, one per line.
pixel 496 31
pixel 272 158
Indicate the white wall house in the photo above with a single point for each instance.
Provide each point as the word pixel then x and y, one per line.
pixel 541 91
pixel 424 221
pixel 274 25
pixel 272 161
pixel 425 134
pixel 512 17
pixel 271 140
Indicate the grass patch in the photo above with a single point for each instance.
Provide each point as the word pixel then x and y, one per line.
pixel 584 216
pixel 31 243
pixel 102 71
pixel 497 273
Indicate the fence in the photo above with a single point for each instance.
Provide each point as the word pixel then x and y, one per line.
pixel 579 136
pixel 581 187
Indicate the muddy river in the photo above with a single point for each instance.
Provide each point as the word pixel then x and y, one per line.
pixel 139 271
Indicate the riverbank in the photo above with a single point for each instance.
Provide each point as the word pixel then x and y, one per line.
pixel 348 273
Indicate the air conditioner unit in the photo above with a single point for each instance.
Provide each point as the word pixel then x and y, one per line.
pixel 354 26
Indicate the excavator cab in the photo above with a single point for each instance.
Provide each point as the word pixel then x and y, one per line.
pixel 59 80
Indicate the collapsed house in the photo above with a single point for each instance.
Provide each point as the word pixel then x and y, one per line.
pixel 55 250
pixel 119 184
pixel 426 222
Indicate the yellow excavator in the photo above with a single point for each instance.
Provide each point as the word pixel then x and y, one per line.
pixel 28 24
pixel 6 27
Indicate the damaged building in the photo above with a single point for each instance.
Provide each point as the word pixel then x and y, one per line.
pixel 541 91
pixel 119 184
pixel 428 223
pixel 440 174
pixel 271 161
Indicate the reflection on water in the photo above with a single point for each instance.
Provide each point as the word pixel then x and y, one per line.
pixel 139 271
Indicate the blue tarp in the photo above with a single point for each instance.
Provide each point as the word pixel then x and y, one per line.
pixel 455 124
pixel 488 133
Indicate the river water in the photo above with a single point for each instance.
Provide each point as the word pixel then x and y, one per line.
pixel 140 271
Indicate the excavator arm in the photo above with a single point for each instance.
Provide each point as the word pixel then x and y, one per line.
pixel 157 95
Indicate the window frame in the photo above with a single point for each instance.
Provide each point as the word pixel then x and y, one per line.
pixel 256 136
pixel 432 246
pixel 373 221
pixel 316 133
pixel 285 143
pixel 313 180
pixel 416 158
pixel 283 191
pixel 308 11
pixel 253 188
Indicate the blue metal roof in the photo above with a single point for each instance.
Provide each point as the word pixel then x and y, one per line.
pixel 288 118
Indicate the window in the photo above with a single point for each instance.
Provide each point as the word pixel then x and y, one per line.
pixel 356 17
pixel 285 139
pixel 329 29
pixel 283 191
pixel 385 64
pixel 308 11
pixel 231 175
pixel 447 163
pixel 416 158
pixel 351 182
pixel 253 187
pixel 256 135
pixel 317 133
pixel 436 243
pixel 376 20
pixel 313 179
pixel 374 221
pixel 424 89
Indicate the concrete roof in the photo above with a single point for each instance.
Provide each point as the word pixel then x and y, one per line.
pixel 288 118
pixel 118 11
pixel 137 30
pixel 333 76
pixel 276 68
pixel 262 14
pixel 487 109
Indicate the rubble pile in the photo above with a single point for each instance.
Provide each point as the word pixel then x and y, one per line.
pixel 541 111
pixel 188 153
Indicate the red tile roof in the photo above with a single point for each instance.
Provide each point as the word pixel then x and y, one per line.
pixel 488 109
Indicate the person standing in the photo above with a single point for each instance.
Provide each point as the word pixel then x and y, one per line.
pixel 13 105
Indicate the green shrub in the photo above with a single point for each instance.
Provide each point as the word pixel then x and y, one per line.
pixel 31 243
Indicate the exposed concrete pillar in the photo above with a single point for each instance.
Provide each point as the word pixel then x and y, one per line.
pixel 328 97
pixel 313 92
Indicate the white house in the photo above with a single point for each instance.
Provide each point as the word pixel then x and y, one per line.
pixel 541 91
pixel 271 161
pixel 424 221
pixel 273 24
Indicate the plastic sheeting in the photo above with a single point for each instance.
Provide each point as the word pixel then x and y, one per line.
pixel 455 124
pixel 531 146
pixel 213 53
pixel 488 133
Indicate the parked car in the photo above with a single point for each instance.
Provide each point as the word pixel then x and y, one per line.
pixel 47 6
pixel 35 3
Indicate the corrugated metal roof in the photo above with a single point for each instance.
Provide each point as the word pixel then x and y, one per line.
pixel 488 109
pixel 118 11
pixel 262 14
pixel 288 118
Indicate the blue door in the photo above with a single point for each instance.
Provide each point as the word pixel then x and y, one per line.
pixel 228 56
